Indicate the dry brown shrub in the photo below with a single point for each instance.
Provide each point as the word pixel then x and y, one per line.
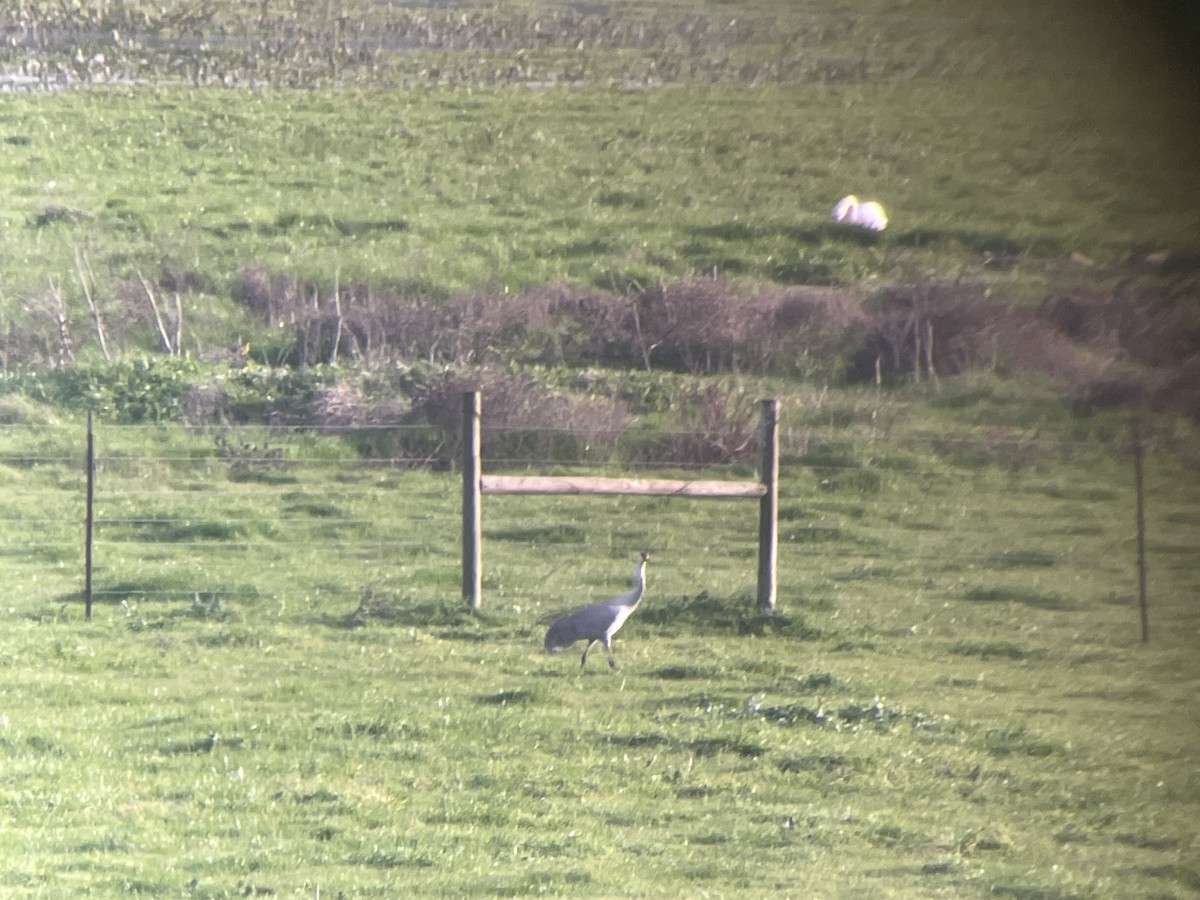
pixel 204 403
pixel 1145 344
pixel 593 327
pixel 273 298
pixel 1060 340
pixel 722 428
pixel 697 325
pixel 515 410
pixel 346 405
pixel 33 336
pixel 704 326
pixel 1102 347
pixel 964 324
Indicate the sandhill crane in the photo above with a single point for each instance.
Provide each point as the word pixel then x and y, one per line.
pixel 598 621
pixel 869 215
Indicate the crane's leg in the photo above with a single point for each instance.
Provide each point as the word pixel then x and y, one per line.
pixel 583 662
pixel 612 662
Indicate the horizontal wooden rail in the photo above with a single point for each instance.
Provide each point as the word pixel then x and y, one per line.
pixel 565 484
pixel 476 484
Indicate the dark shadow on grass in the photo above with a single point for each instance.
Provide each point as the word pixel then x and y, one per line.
pixel 445 620
pixel 706 613
pixel 201 745
pixel 995 649
pixel 387 859
pixel 618 199
pixel 182 599
pixel 1021 559
pixel 378 730
pixel 681 673
pixel 159 722
pixel 815 682
pixel 637 739
pixel 699 701
pixel 1184 874
pixel 852 715
pixel 1083 494
pixel 178 531
pixel 286 223
pixel 984 242
pixel 812 534
pixel 826 233
pixel 1147 841
pixel 539 534
pixel 580 249
pixel 812 763
pixel 1021 742
pixel 1017 595
pixel 705 259
pixel 505 698
pixel 242 475
pixel 727 231
pixel 706 747
pixel 801 271
pixel 316 510
pixel 362 227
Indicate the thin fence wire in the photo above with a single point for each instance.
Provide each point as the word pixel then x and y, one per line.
pixel 178 516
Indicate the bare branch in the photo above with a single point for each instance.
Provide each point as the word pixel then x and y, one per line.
pixel 83 270
pixel 162 329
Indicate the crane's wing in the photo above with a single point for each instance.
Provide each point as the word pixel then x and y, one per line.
pixel 586 622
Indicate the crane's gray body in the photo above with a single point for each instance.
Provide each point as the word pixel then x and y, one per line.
pixel 598 621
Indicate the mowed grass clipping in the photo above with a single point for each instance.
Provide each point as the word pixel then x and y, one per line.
pixel 289 694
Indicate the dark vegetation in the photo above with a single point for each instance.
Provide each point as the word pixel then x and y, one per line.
pixel 373 356
pixel 1101 347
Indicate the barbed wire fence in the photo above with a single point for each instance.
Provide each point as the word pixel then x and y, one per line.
pixel 201 518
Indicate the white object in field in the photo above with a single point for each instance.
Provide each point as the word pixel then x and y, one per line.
pixel 869 215
pixel 598 621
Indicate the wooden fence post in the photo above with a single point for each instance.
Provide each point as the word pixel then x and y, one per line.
pixel 768 510
pixel 89 519
pixel 475 485
pixel 1140 501
pixel 472 510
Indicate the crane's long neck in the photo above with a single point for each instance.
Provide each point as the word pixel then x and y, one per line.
pixel 634 597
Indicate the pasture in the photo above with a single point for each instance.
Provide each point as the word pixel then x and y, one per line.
pixel 1001 144
pixel 281 692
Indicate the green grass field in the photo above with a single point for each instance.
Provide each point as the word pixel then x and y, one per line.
pixel 281 692
pixel 1000 143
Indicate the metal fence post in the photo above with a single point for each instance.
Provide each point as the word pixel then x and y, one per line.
pixel 89 519
pixel 1140 495
pixel 768 510
pixel 472 507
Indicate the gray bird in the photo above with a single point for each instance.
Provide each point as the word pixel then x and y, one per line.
pixel 598 621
